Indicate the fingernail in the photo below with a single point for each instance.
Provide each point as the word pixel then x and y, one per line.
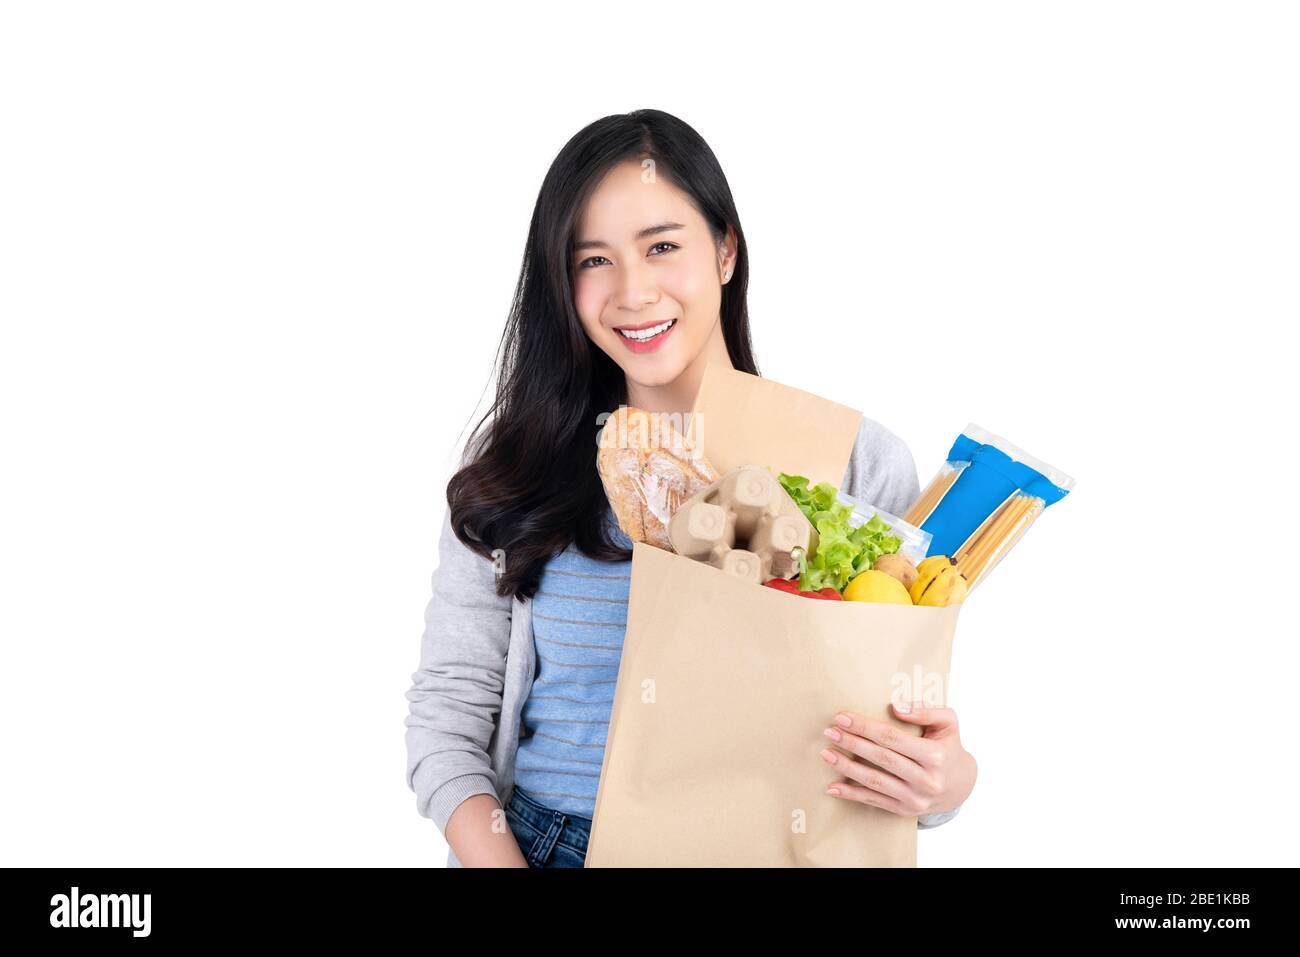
pixel 832 733
pixel 835 791
pixel 903 706
pixel 843 720
pixel 829 756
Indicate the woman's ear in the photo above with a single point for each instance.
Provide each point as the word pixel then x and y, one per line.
pixel 727 255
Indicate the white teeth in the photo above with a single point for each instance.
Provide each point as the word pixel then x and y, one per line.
pixel 640 335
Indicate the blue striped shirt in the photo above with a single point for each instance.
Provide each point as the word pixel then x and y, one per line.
pixel 579 620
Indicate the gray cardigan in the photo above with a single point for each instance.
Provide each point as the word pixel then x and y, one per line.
pixel 477 657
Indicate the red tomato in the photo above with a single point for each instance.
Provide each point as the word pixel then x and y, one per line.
pixel 792 586
pixel 783 584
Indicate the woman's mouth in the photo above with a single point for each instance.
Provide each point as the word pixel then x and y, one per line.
pixel 646 338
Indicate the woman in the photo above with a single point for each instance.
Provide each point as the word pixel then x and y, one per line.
pixel 633 279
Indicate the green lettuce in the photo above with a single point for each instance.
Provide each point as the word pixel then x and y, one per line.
pixel 842 551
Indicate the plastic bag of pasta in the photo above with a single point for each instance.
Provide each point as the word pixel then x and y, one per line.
pixel 984 498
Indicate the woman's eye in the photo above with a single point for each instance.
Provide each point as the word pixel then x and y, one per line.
pixel 592 261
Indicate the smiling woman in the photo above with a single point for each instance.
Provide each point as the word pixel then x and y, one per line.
pixel 633 280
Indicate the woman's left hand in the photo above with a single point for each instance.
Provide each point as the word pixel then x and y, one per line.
pixel 906 774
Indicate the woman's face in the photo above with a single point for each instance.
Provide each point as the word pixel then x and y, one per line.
pixel 644 262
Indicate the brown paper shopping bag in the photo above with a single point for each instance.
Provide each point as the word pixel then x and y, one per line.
pixel 724 687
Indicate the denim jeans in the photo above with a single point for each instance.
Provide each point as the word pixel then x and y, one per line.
pixel 547 838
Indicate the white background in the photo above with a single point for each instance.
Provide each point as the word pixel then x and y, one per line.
pixel 254 263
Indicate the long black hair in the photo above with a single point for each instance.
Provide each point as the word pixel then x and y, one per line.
pixel 529 485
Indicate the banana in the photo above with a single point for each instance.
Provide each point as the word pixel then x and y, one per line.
pixel 932 564
pixel 938 582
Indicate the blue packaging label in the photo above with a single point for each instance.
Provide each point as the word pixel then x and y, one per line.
pixel 989 480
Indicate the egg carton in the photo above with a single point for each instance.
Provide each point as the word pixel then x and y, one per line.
pixel 745 524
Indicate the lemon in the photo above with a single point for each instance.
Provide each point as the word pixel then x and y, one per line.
pixel 874 585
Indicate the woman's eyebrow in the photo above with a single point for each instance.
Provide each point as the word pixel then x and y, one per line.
pixel 648 231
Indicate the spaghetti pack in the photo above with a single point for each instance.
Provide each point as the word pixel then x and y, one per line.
pixel 984 498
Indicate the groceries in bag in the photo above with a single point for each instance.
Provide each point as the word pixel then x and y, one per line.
pixel 861 550
pixel 781 529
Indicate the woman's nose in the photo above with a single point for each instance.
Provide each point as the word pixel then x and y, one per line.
pixel 636 286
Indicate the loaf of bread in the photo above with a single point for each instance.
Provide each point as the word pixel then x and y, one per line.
pixel 648 469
